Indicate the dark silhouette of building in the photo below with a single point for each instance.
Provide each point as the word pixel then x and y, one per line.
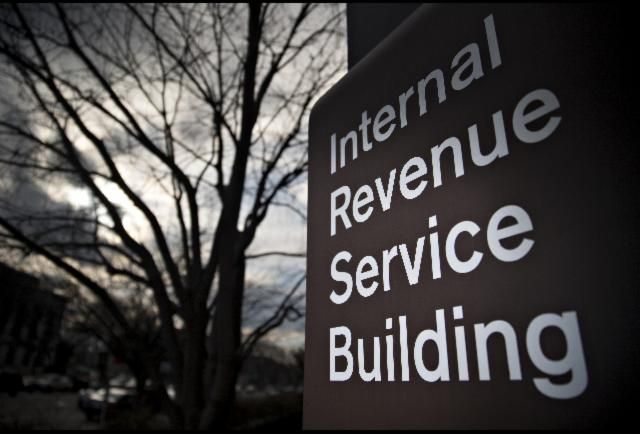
pixel 30 320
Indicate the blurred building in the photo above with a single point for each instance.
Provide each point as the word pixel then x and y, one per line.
pixel 30 319
pixel 270 369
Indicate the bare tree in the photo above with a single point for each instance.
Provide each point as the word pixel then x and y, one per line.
pixel 181 125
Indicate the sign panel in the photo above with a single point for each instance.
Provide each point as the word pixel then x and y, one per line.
pixel 472 238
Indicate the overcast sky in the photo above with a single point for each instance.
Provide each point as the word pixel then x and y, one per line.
pixel 282 230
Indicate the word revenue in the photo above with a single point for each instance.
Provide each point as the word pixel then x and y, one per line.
pixel 342 357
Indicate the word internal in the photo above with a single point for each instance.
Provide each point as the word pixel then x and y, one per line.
pixel 572 362
pixel 468 68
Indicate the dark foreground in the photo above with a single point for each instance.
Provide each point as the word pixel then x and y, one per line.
pixel 59 410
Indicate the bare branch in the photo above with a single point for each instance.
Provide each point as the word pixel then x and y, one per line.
pixel 289 254
pixel 282 312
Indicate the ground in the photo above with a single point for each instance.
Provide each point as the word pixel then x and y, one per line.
pixel 38 410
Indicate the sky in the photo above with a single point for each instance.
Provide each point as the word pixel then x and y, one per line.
pixel 282 230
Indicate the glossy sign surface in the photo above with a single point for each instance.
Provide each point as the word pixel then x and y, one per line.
pixel 472 238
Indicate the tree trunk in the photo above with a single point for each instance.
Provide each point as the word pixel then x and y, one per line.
pixel 141 379
pixel 227 323
pixel 194 361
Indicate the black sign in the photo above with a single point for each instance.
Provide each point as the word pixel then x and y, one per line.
pixel 472 233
